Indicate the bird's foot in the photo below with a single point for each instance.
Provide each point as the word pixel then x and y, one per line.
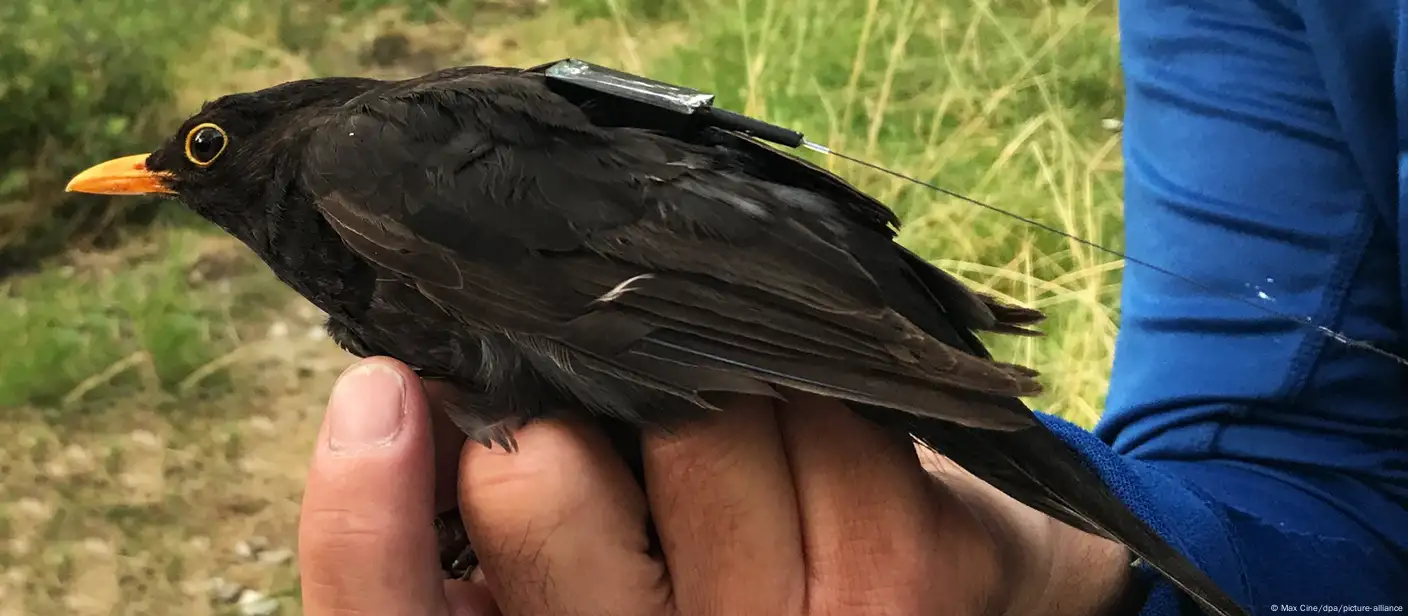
pixel 457 557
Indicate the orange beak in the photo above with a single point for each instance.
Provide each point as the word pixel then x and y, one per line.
pixel 121 176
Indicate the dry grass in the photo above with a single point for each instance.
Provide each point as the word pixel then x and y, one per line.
pixel 1002 105
pixel 125 492
pixel 132 479
pixel 134 515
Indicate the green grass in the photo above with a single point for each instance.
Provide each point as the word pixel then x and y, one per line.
pixel 172 336
pixel 92 328
pixel 1001 104
pixel 1000 101
pixel 83 79
pixel 110 325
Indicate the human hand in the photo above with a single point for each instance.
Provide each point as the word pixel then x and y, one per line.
pixel 800 509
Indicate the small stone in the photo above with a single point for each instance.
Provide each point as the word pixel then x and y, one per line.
pixel 254 603
pixel 97 547
pixel 34 508
pixel 79 456
pixel 276 557
pixel 145 439
pixel 253 466
pixel 56 469
pixel 250 548
pixel 245 551
pixel 262 423
pixel 17 576
pixel 1113 125
pixel 278 330
pixel 224 590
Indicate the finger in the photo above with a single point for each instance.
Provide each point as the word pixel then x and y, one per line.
pixel 1028 544
pixel 869 525
pixel 470 598
pixel 366 545
pixel 722 498
pixel 559 525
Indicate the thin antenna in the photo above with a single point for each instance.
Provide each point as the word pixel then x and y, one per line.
pixel 1299 321
pixel 691 103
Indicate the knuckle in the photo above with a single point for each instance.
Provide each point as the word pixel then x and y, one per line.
pixel 878 573
pixel 875 595
pixel 335 598
pixel 907 577
pixel 699 452
pixel 874 601
pixel 333 531
pixel 341 556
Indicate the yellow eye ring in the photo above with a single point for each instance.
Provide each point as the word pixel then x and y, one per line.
pixel 205 143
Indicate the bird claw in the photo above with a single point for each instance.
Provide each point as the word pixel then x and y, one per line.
pixel 463 565
pixel 457 557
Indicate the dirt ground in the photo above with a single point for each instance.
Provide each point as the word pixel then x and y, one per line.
pixel 163 504
pixel 147 508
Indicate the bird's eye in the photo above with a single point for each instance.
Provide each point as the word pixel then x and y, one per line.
pixel 205 143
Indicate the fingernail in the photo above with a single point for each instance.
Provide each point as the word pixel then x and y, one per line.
pixel 367 408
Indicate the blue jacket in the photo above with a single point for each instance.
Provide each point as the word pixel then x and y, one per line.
pixel 1265 149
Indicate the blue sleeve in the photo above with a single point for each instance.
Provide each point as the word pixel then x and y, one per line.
pixel 1262 158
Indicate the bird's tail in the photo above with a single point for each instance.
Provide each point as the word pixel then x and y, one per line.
pixel 1040 470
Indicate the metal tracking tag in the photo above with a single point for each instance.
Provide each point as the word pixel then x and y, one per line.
pixel 670 97
pixel 625 85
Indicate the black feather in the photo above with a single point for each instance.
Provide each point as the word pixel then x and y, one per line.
pixel 538 250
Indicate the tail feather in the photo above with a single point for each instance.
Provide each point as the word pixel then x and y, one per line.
pixel 1031 465
pixel 1040 470
pixel 1011 319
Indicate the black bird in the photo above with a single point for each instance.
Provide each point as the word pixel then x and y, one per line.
pixel 539 249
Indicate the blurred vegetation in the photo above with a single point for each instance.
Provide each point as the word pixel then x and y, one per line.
pixel 1000 100
pixel 82 80
pixel 164 388
pixel 87 80
pixel 147 317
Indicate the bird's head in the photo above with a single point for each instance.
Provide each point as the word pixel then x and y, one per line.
pixel 234 160
pixel 237 163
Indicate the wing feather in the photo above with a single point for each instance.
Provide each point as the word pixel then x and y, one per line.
pixel 717 265
pixel 503 226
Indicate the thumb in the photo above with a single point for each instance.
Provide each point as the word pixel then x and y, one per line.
pixel 365 537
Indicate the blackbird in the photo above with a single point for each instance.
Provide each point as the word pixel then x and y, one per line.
pixel 539 249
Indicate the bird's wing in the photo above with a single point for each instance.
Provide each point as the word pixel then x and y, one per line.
pixel 503 203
